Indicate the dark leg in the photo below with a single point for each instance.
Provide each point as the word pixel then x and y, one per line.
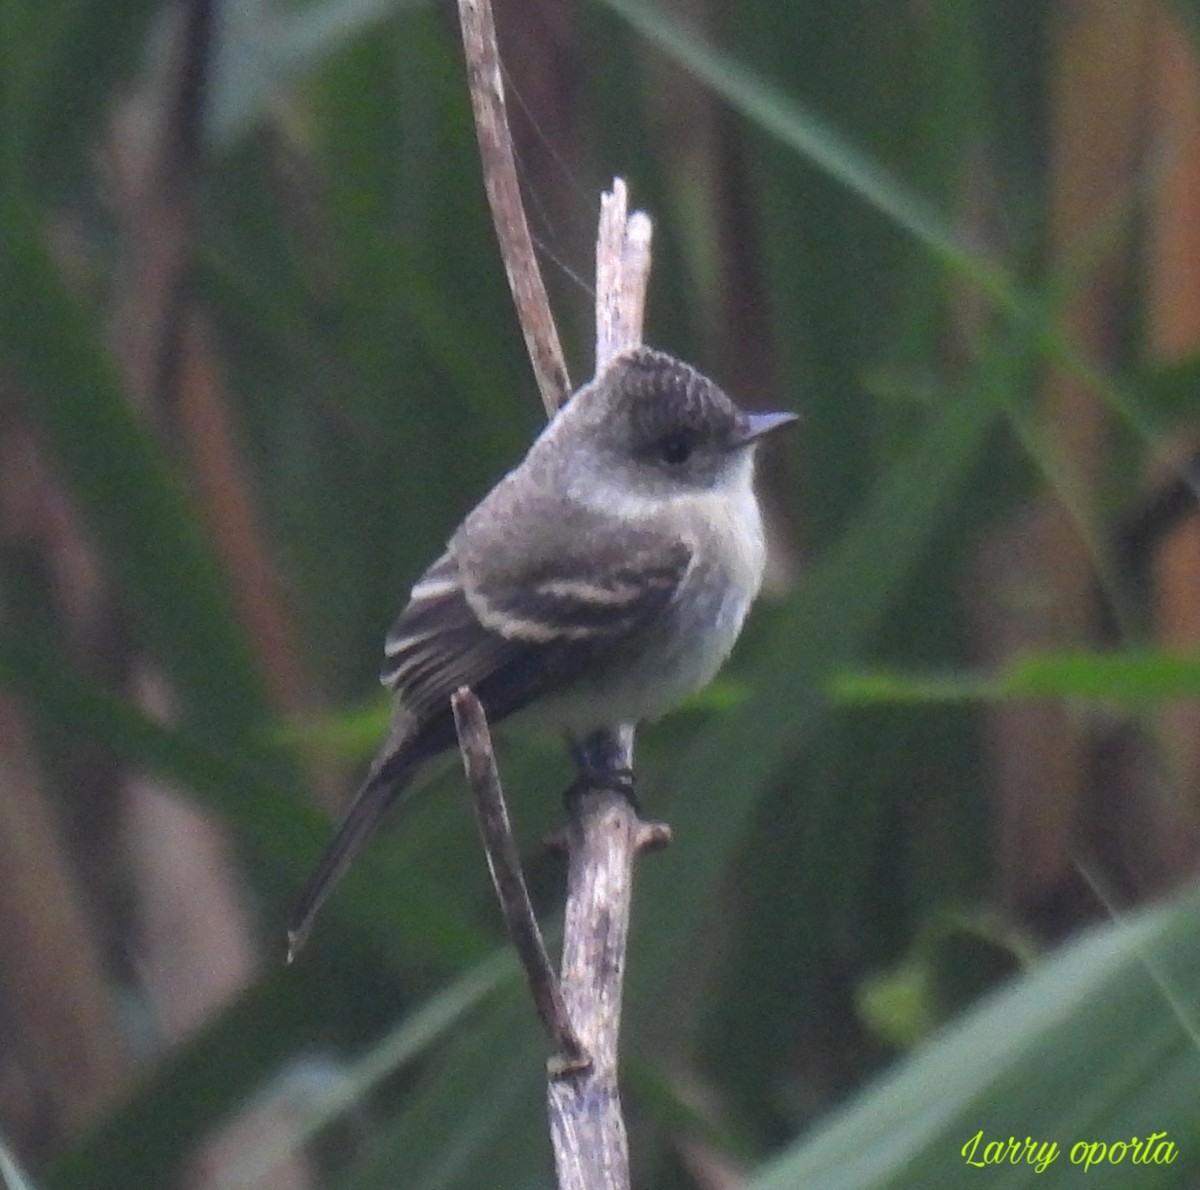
pixel 605 761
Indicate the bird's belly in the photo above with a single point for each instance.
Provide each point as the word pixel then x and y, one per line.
pixel 681 652
pixel 662 666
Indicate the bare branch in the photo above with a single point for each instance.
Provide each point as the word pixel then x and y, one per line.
pixel 622 275
pixel 504 864
pixel 496 155
pixel 604 834
pixel 604 837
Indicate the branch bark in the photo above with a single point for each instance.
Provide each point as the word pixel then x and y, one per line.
pixel 604 834
pixel 504 864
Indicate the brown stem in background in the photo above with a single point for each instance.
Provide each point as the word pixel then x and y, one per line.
pixel 54 981
pixel 223 493
pixel 1037 589
pixel 168 360
pixel 62 1037
pixel 1173 328
pixel 196 944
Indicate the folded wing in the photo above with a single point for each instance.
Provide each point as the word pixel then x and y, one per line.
pixel 515 632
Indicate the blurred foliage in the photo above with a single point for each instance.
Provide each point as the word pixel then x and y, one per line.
pixel 826 819
pixel 1130 677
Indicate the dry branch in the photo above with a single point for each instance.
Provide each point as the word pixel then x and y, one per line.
pixel 486 83
pixel 622 274
pixel 504 864
pixel 604 834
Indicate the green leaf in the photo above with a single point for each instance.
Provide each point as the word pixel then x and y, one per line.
pixel 1099 1044
pixel 11 1174
pixel 131 500
pixel 1127 678
pixel 810 136
pixel 60 63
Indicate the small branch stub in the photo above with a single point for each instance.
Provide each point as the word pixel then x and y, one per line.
pixel 622 274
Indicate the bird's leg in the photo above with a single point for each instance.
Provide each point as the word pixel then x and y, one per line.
pixel 605 761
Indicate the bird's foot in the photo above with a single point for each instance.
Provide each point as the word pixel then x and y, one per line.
pixel 615 780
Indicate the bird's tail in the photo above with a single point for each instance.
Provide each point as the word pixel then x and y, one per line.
pixel 382 787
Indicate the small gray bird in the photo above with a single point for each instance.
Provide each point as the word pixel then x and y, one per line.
pixel 598 584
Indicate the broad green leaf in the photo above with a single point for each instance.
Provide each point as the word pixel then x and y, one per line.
pixel 1099 1044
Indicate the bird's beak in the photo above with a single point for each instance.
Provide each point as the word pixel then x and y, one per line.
pixel 754 425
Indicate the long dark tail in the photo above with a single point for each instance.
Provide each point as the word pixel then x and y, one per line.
pixel 379 792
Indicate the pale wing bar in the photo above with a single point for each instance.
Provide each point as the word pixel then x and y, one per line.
pixel 510 641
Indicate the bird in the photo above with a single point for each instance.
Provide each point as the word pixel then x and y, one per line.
pixel 598 584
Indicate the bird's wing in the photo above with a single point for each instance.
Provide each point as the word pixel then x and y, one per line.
pixel 527 625
pixel 522 623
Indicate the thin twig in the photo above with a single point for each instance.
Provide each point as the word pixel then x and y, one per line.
pixel 486 84
pixel 483 777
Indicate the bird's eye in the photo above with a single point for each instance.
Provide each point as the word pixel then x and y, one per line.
pixel 675 450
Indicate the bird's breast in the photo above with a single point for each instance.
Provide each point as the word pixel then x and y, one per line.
pixel 682 651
